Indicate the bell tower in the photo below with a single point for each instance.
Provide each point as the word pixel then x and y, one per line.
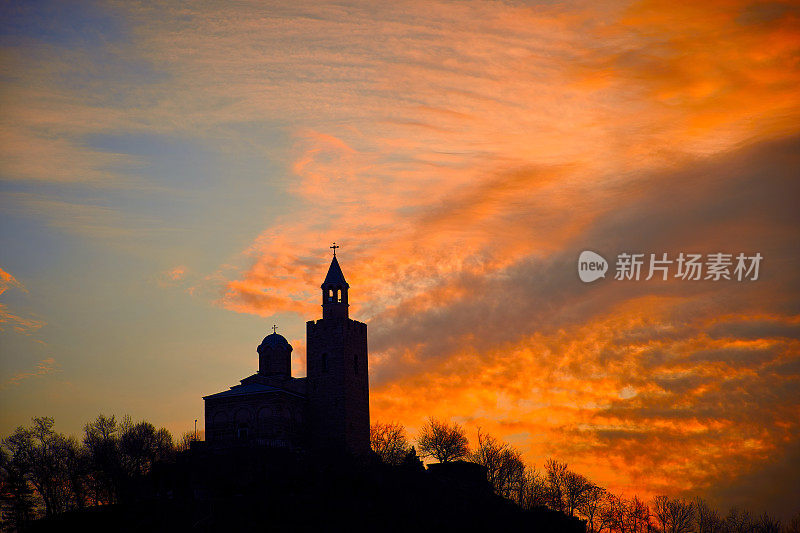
pixel 336 366
pixel 334 291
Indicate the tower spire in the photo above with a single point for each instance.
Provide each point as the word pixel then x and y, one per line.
pixel 334 290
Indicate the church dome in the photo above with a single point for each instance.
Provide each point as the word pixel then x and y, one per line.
pixel 273 340
pixel 274 356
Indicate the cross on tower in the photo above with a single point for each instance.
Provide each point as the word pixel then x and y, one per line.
pixel 334 247
pixel 274 328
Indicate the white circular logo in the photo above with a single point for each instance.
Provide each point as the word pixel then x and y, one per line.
pixel 591 266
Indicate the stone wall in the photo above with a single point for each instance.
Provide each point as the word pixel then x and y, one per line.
pixel 268 420
pixel 338 384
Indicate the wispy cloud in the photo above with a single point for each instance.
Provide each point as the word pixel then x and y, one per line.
pixel 43 368
pixel 463 204
pixel 80 218
pixel 19 323
pixel 464 154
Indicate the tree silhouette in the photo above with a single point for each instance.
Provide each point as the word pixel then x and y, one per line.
pixel 42 470
pixel 674 515
pixel 78 466
pixel 556 473
pixel 576 487
pixel 15 491
pixel 412 463
pixel 42 454
pixel 504 466
pixel 141 445
pixel 535 490
pixel 102 442
pixel 638 514
pixel 707 520
pixel 738 521
pixel 445 442
pixel 389 441
pixel 591 505
pixel 794 524
pixel 767 524
pixel 612 514
pixel 185 442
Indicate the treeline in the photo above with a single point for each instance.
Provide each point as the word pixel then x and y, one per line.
pixel 558 488
pixel 44 473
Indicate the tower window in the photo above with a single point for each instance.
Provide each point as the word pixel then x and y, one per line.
pixel 338 295
pixel 330 295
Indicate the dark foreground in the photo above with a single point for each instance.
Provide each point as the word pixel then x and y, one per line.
pixel 249 490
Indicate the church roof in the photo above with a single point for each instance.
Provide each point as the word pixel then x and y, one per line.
pixel 335 276
pixel 274 339
pixel 248 388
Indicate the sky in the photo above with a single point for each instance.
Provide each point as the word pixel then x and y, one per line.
pixel 172 175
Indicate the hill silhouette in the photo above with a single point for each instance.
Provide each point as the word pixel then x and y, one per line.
pixel 250 489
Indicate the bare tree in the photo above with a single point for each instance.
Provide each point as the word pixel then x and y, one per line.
pixel 389 441
pixel 662 511
pixel 185 442
pixel 78 466
pixel 534 489
pixel 706 518
pixel 794 525
pixel 514 477
pixel 767 524
pixel 41 456
pixel 556 473
pixel 575 488
pixel 613 515
pixel 102 442
pixel 590 507
pixel 445 442
pixel 504 466
pixel 674 515
pixel 141 445
pixel 16 494
pixel 739 521
pixel 638 514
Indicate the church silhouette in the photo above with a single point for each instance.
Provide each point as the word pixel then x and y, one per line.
pixel 328 409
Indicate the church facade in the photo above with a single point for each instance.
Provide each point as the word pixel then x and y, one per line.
pixel 327 410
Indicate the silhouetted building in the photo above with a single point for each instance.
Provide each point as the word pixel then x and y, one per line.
pixel 328 409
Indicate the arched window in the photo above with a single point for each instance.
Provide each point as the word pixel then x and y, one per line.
pixel 338 295
pixel 330 295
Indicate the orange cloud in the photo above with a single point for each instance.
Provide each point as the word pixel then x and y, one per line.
pixel 685 427
pixel 43 368
pixel 7 318
pixel 463 159
pixel 7 280
pixel 176 273
pixel 174 276
pixel 645 388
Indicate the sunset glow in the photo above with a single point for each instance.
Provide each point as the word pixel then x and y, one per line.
pixel 171 177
